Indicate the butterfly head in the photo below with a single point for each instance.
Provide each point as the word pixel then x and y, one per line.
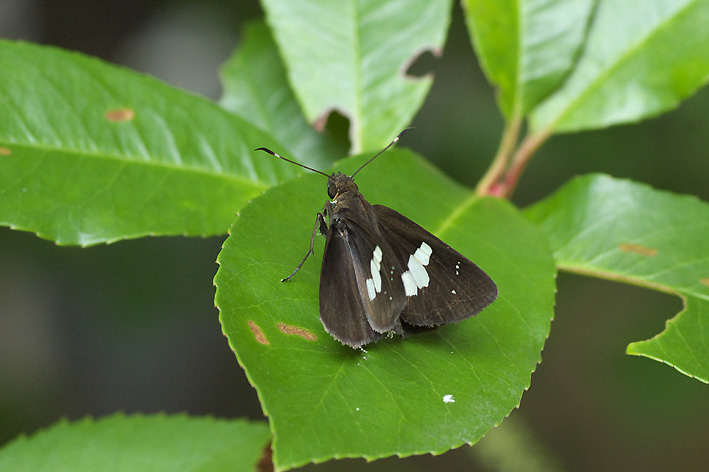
pixel 339 183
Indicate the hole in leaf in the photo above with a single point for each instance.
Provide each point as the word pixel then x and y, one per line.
pixel 333 123
pixel 422 64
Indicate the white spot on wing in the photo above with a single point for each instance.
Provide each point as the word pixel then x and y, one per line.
pixel 423 253
pixel 378 255
pixel 417 277
pixel 370 289
pixel 410 287
pixel 376 277
pixel 374 284
pixel 418 271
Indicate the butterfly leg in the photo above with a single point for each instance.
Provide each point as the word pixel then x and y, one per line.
pixel 320 225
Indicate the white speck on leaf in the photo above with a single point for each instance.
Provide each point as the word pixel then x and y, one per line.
pixel 448 399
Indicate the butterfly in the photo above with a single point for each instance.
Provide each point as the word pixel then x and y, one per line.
pixel 382 273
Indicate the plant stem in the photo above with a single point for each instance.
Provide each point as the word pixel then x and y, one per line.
pixel 489 184
pixel 520 160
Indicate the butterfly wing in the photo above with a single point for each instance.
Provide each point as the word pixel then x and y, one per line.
pixel 341 310
pixel 360 297
pixel 441 285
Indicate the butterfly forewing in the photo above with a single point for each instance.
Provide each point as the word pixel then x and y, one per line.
pixel 441 285
pixel 377 272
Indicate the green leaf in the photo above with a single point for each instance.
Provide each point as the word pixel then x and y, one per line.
pixel 626 231
pixel 325 400
pixel 352 57
pixel 91 152
pixel 137 443
pixel 526 47
pixel 641 59
pixel 256 88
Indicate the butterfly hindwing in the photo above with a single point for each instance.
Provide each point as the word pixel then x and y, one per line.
pixel 361 293
pixel 441 285
pixel 341 309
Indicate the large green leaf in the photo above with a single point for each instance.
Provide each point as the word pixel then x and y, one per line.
pixel 90 152
pixel 641 59
pixel 627 231
pixel 526 47
pixel 352 57
pixel 325 400
pixel 139 443
pixel 256 88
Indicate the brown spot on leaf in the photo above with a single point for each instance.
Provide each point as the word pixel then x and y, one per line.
pixel 704 281
pixel 5 151
pixel 122 114
pixel 638 249
pixel 258 334
pixel 296 330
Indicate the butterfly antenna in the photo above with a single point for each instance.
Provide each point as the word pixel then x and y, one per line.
pixel 292 162
pixel 380 152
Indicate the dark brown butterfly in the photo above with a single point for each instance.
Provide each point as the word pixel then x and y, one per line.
pixel 382 273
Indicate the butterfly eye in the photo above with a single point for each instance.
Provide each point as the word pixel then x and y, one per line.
pixel 332 190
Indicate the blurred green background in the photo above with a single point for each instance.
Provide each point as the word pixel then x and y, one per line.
pixel 131 326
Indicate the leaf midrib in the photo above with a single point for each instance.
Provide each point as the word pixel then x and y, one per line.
pixel 357 79
pixel 456 213
pixel 122 159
